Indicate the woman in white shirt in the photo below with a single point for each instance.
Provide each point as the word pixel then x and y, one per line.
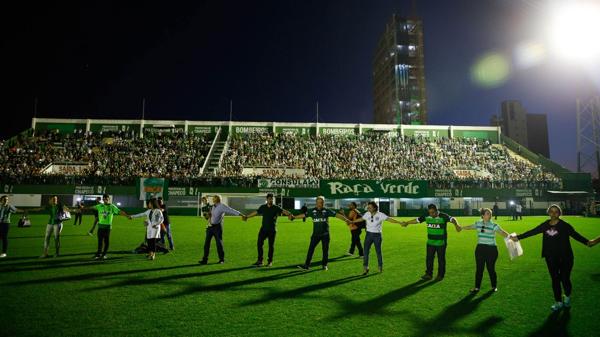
pixel 154 219
pixel 374 220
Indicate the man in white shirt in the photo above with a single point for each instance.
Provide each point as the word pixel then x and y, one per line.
pixel 374 220
pixel 519 210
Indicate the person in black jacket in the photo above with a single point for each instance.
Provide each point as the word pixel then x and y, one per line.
pixel 556 249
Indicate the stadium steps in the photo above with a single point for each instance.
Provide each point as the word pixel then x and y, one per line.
pixel 215 157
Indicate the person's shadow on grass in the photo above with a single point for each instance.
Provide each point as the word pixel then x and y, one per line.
pixel 555 325
pixel 379 304
pixel 444 322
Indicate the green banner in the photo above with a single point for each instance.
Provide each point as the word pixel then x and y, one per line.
pixel 148 188
pixel 202 129
pixel 373 189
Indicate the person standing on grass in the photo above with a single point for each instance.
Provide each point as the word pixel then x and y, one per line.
pixel 154 218
pixel 556 249
pixel 54 226
pixel 205 208
pixel 496 209
pixel 106 211
pixel 215 228
pixel 167 224
pixel 269 213
pixel 78 213
pixel 6 210
pixel 374 221
pixel 95 212
pixel 486 252
pixel 519 211
pixel 437 239
pixel 355 230
pixel 320 216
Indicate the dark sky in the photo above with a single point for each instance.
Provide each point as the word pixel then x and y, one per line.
pixel 274 59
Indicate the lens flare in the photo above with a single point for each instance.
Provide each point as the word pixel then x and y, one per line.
pixel 491 70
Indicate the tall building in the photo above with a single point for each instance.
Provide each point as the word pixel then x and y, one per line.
pixel 537 134
pixel 529 130
pixel 399 73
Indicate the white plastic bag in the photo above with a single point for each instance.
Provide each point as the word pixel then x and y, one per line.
pixel 514 248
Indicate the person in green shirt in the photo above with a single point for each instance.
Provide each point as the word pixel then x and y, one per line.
pixel 54 226
pixel 269 212
pixel 320 216
pixel 106 211
pixel 437 237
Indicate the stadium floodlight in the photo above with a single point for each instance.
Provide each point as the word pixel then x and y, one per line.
pixel 574 30
pixel 118 204
pixel 511 202
pixel 78 199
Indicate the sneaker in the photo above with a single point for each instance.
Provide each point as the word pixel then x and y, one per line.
pixel 3 255
pixel 566 300
pixel 221 261
pixel 439 278
pixel 258 264
pixel 474 290
pixel 348 254
pixel 96 257
pixel 203 262
pixel 426 277
pixel 303 267
pixel 380 269
pixel 104 257
pixel 494 289
pixel 325 268
pixel 366 271
pixel 556 306
pixel 270 264
pixel 90 234
pixel 44 256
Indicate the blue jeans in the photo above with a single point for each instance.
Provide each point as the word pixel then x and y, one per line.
pixel 169 236
pixel 373 238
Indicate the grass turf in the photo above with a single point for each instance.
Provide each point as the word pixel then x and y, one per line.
pixel 174 296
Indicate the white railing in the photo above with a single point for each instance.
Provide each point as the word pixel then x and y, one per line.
pixel 210 152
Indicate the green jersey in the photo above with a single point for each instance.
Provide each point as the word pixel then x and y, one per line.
pixel 105 214
pixel 53 211
pixel 320 219
pixel 437 232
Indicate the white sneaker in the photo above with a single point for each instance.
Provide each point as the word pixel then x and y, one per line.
pixel 566 300
pixel 2 255
pixel 348 254
pixel 557 306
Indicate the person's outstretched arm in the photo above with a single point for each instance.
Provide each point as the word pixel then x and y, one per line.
pixel 573 233
pixel 411 222
pixel 392 220
pixel 298 216
pixel 248 216
pixel 535 231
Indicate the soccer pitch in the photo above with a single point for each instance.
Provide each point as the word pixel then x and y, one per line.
pixel 175 296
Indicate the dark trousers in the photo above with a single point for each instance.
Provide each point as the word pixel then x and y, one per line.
pixel 151 245
pixel 262 236
pixel 441 257
pixel 78 217
pixel 560 271
pixel 4 235
pixel 355 243
pixel 169 236
pixel 314 241
pixel 217 232
pixel 103 238
pixel 485 257
pixel 373 238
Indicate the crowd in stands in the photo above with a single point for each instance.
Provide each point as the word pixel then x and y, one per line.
pixel 121 157
pixel 116 157
pixel 378 156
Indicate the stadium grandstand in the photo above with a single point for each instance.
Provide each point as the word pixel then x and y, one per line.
pixel 403 166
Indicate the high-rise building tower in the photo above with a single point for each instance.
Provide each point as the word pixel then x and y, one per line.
pixel 399 73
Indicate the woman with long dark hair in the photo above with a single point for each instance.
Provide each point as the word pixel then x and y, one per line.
pixel 154 218
pixel 556 249
pixel 486 252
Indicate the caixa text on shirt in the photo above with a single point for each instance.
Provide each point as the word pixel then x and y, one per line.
pixel 373 188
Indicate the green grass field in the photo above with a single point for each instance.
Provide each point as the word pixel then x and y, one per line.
pixel 175 296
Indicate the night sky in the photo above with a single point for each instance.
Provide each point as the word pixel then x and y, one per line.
pixel 274 59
